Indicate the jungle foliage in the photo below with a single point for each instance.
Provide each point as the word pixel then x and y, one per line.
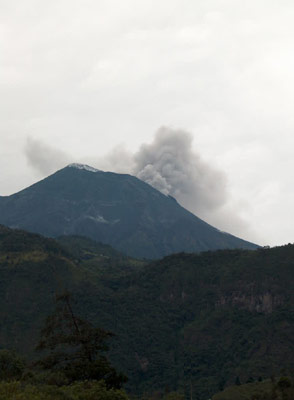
pixel 188 322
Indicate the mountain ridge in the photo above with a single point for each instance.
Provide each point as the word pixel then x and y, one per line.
pixel 116 209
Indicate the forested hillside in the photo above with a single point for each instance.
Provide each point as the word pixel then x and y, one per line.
pixel 187 321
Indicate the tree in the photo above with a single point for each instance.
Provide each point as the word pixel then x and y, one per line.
pixel 11 365
pixel 75 348
pixel 237 381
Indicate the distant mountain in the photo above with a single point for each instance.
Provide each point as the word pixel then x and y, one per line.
pixel 115 209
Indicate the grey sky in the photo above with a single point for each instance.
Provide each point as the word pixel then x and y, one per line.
pixel 81 78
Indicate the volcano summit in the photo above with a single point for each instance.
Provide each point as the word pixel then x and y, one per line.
pixel 117 209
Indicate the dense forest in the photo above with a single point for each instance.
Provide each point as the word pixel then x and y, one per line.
pixel 189 324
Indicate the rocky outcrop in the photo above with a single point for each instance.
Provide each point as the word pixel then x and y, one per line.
pixel 265 302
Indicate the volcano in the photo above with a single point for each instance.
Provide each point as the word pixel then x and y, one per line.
pixel 116 209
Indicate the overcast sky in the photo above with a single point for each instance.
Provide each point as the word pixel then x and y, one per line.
pixel 92 81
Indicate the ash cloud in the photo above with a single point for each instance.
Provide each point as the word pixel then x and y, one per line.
pixel 118 160
pixel 45 159
pixel 170 165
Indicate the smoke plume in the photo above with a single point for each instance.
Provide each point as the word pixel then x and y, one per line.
pixel 170 165
pixel 45 159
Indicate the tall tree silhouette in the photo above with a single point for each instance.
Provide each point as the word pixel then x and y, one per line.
pixel 75 348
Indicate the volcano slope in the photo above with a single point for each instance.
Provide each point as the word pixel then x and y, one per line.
pixel 115 209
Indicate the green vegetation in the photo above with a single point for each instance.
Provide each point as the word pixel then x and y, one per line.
pixel 270 389
pixel 99 259
pixel 75 348
pixel 18 390
pixel 189 322
pixel 11 365
pixel 74 366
